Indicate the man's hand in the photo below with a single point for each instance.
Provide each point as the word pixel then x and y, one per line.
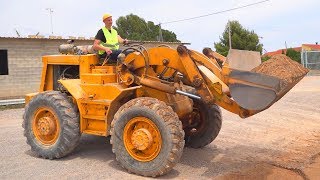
pixel 125 41
pixel 108 51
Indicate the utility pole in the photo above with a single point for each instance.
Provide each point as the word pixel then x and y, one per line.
pixel 229 34
pixel 50 11
pixel 285 44
pixel 160 33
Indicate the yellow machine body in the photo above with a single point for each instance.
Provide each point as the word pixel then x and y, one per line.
pixel 96 93
pixel 99 91
pixel 152 102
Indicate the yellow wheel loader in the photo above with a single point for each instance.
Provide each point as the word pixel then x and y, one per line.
pixel 152 103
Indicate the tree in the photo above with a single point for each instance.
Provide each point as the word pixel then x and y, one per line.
pixel 294 55
pixel 135 28
pixel 265 58
pixel 241 38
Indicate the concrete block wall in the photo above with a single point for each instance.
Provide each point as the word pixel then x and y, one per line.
pixel 25 63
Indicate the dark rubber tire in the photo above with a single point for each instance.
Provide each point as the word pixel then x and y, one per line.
pixel 68 117
pixel 212 120
pixel 170 128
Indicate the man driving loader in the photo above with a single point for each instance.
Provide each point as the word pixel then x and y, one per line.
pixel 107 41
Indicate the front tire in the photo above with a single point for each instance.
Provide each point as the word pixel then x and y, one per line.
pixel 147 137
pixel 51 125
pixel 207 124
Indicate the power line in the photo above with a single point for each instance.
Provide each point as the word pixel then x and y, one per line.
pixel 218 12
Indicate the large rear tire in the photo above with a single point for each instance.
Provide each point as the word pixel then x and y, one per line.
pixel 147 137
pixel 207 124
pixel 51 125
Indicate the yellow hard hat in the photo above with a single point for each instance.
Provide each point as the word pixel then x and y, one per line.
pixel 105 16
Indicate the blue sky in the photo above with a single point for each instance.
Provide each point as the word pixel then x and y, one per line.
pixel 276 21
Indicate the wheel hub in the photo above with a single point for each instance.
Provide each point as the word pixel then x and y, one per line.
pixel 195 123
pixel 46 126
pixel 141 139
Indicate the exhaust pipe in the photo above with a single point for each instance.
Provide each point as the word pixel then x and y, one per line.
pixel 79 50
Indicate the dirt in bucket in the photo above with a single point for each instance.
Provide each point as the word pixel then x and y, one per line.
pixel 282 67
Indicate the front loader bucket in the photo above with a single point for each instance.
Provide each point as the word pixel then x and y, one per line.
pixel 255 91
pixel 257 86
pixel 252 90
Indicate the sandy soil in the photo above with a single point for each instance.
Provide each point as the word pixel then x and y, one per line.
pixel 283 142
pixel 282 67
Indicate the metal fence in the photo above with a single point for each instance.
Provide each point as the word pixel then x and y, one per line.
pixel 311 60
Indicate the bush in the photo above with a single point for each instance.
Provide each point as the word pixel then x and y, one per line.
pixel 294 55
pixel 265 58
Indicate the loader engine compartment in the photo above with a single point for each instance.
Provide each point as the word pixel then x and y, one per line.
pixel 64 72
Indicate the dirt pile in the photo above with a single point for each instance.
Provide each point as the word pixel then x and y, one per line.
pixel 282 67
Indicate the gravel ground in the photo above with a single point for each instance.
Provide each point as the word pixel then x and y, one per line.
pixel 282 142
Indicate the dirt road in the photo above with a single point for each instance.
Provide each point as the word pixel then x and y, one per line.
pixel 282 142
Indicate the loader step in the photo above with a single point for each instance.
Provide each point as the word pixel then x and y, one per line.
pixel 99 133
pixel 99 101
pixel 98 78
pixel 87 116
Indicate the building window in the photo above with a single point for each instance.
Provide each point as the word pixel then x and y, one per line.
pixel 4 62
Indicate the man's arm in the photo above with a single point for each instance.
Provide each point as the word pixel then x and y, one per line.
pixel 97 46
pixel 121 40
pixel 97 40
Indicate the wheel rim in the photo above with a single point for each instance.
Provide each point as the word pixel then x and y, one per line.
pixel 142 139
pixel 45 126
pixel 198 122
